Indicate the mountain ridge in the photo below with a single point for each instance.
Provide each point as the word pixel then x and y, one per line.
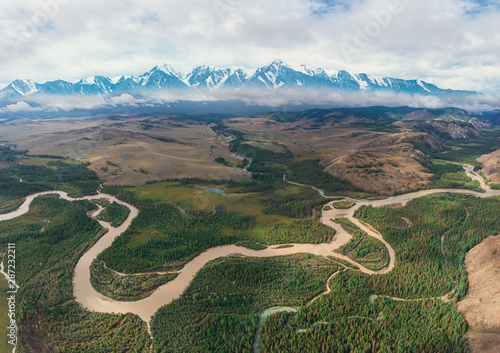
pixel 278 75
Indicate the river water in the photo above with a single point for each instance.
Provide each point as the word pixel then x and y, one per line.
pixel 145 308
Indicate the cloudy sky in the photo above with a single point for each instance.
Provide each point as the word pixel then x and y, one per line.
pixel 452 43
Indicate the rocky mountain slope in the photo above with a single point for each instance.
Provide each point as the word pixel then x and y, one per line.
pixel 276 76
pixel 481 306
pixel 388 165
pixel 491 166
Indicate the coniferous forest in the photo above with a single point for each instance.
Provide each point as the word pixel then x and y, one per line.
pixel 411 308
pixel 250 176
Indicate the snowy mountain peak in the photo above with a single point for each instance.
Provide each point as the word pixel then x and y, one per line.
pixel 279 63
pixel 247 72
pixel 277 75
pixel 169 70
pixel 204 69
pixel 88 81
pixel 24 87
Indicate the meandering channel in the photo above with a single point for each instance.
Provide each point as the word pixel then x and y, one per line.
pixel 145 308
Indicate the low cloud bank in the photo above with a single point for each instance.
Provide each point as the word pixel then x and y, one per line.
pixel 272 99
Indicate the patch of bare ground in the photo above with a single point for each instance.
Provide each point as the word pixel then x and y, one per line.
pixel 491 166
pixel 481 306
pixel 384 170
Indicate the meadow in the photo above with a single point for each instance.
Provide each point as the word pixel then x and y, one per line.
pixel 179 220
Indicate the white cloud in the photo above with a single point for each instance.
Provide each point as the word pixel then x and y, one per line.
pixel 20 107
pixel 442 42
pixel 124 99
pixel 294 99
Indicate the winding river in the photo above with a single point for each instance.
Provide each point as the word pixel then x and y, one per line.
pixel 92 300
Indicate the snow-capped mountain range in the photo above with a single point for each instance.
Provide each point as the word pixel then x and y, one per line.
pixel 276 76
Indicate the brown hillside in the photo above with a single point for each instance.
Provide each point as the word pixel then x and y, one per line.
pixel 491 166
pixel 481 307
pixel 381 169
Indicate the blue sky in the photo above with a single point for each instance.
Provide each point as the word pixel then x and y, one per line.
pixel 323 7
pixel 454 44
pixel 479 8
